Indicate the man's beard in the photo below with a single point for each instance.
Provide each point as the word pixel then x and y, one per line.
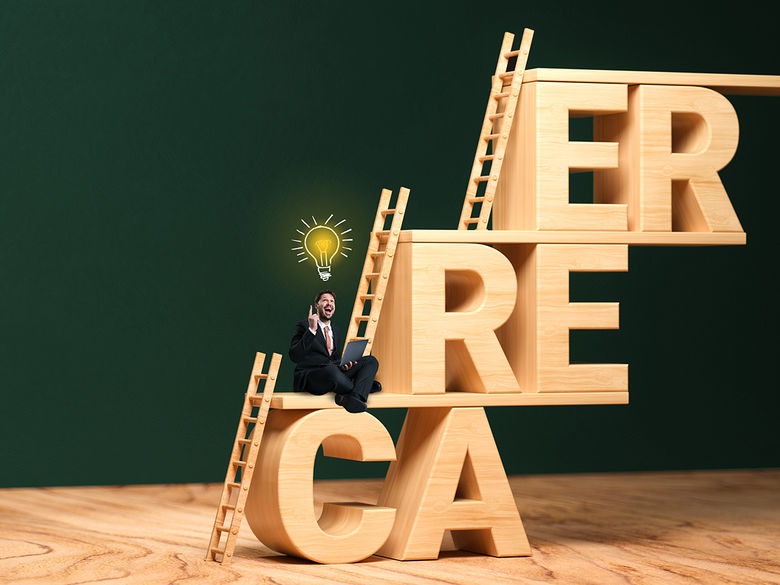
pixel 323 317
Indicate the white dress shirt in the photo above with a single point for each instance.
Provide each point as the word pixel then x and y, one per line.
pixel 328 332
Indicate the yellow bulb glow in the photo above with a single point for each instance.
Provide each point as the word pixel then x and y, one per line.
pixel 322 243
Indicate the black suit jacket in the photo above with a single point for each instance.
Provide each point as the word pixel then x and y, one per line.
pixel 310 352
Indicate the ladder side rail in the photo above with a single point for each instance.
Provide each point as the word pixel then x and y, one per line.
pixel 246 411
pixel 368 264
pixel 387 265
pixel 487 126
pixel 255 438
pixel 505 127
pixel 522 57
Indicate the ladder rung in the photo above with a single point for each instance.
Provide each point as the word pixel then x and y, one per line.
pixel 237 466
pixel 470 221
pixel 514 53
pixel 370 275
pixel 492 117
pixel 387 212
pixel 357 338
pixel 499 96
pixel 362 318
pixel 383 233
pixel 367 297
pixel 491 137
pixel 487 157
pixel 377 254
pixel 476 199
pixel 257 399
pixel 481 179
pixel 507 75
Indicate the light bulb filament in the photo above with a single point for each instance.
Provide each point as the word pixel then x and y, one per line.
pixel 322 243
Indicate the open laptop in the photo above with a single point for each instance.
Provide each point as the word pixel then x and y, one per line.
pixel 354 351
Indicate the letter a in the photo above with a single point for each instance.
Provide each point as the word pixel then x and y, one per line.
pixel 449 476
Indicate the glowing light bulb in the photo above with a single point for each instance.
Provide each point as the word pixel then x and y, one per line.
pixel 322 242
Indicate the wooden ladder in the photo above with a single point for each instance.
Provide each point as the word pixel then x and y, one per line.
pixel 376 268
pixel 496 126
pixel 242 460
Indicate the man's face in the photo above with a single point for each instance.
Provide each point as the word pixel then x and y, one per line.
pixel 326 306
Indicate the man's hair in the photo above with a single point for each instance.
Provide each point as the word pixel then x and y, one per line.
pixel 324 292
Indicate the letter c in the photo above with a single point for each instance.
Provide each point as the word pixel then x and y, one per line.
pixel 280 504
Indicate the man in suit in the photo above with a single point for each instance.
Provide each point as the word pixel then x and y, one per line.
pixel 316 352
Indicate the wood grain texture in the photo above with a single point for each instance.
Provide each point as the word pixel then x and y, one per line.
pixel 576 237
pixel 727 83
pixel 456 296
pixel 556 316
pixel 299 400
pixel 280 508
pixel 448 476
pixel 536 336
pixel 646 140
pixel 393 331
pixel 668 171
pixel 682 528
pixel 687 134
pixel 542 153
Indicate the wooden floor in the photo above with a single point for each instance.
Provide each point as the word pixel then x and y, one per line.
pixel 689 527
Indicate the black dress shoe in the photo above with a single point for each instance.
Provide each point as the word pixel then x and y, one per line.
pixel 376 386
pixel 351 402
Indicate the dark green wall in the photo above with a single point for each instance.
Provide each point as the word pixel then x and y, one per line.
pixel 155 158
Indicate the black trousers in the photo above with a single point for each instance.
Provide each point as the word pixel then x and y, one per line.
pixel 357 379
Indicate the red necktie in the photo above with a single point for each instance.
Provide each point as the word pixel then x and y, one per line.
pixel 327 339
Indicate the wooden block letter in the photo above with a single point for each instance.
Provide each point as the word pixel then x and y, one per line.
pixel 673 142
pixel 280 505
pixel 687 135
pixel 533 190
pixel 460 294
pixel 449 476
pixel 437 329
pixel 556 316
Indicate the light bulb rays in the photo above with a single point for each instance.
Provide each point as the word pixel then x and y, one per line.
pixel 321 243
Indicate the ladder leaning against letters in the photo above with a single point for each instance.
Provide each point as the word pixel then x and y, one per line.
pixel 496 126
pixel 241 467
pixel 376 268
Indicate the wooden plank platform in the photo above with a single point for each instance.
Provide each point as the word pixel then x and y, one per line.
pixel 727 83
pixel 652 528
pixel 300 400
pixel 576 237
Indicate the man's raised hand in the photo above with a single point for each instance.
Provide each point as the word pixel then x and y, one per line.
pixel 314 319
